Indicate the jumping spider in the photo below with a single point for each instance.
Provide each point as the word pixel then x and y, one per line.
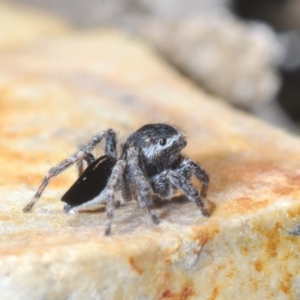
pixel 150 164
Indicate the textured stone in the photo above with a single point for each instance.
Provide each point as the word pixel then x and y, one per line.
pixel 54 95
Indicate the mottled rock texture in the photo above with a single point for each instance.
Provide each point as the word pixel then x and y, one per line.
pixel 54 94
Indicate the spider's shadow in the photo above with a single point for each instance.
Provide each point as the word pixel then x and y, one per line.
pixel 130 217
pixel 159 203
pixel 130 211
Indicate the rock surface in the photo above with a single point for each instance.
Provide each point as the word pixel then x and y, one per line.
pixel 21 24
pixel 54 94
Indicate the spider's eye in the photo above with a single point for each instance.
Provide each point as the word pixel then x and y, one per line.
pixel 163 141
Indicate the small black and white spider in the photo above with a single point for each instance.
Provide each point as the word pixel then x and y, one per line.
pixel 150 164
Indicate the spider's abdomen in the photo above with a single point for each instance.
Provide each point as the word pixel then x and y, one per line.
pixel 91 182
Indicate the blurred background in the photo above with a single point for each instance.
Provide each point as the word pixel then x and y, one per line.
pixel 246 52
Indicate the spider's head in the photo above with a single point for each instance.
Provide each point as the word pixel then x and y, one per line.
pixel 159 143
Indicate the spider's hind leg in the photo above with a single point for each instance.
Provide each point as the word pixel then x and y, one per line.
pixel 77 157
pixel 67 208
pixel 89 158
pixel 110 149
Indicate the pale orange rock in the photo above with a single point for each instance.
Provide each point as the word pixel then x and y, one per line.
pixel 21 24
pixel 53 96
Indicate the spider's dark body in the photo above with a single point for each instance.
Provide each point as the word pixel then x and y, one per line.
pixel 150 163
pixel 90 183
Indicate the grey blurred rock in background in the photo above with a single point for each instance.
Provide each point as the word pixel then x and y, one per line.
pixel 230 59
pixel 284 17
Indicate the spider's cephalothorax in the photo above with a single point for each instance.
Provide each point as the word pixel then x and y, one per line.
pixel 159 146
pixel 150 163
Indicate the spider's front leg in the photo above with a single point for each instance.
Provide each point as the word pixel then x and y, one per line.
pixel 126 187
pixel 143 187
pixel 166 182
pixel 83 154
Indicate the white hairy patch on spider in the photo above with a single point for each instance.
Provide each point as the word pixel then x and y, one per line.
pixel 152 149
